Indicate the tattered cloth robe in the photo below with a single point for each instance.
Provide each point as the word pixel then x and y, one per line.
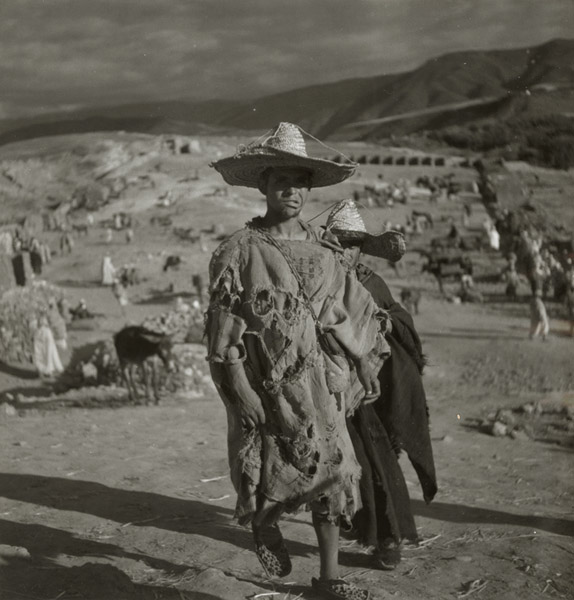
pixel 302 455
pixel 398 420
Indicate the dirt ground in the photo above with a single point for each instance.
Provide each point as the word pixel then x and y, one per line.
pixel 131 502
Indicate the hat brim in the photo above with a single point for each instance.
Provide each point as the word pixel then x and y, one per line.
pixel 389 245
pixel 245 169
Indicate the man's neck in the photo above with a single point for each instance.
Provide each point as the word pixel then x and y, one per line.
pixel 290 229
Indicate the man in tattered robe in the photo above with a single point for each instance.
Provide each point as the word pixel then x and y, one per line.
pixel 303 453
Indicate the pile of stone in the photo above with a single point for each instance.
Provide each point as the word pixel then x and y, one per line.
pixel 92 365
pixel 541 420
pixel 20 310
pixel 185 324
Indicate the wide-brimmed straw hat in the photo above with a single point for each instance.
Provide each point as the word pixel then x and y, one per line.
pixel 283 146
pixel 346 223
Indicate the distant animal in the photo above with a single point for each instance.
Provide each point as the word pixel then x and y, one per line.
pixel 172 262
pixel 425 217
pixel 81 228
pixel 447 266
pixel 136 347
pixel 410 299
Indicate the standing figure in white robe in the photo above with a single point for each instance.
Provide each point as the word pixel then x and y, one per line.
pixel 46 358
pixel 108 271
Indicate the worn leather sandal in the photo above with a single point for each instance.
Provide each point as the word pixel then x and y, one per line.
pixel 271 551
pixel 388 557
pixel 338 589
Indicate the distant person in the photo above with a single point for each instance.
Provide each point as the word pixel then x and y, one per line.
pixel 57 325
pixel 129 235
pixel 569 302
pixel 81 311
pixel 203 243
pixel 539 324
pixel 468 293
pixel 46 358
pixel 121 295
pixel 66 243
pixel 466 213
pixel 46 253
pixel 36 260
pixel 109 235
pixel 181 306
pixel 512 279
pixel 198 283
pixel 64 310
pixel 494 238
pixel 108 270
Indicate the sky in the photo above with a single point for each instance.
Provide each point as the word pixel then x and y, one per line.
pixel 66 54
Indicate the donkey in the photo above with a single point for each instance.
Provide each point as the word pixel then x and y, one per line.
pixel 135 345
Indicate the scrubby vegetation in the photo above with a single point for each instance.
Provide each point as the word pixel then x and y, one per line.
pixel 546 141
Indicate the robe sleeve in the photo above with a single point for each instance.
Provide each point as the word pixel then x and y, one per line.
pixel 224 324
pixel 350 314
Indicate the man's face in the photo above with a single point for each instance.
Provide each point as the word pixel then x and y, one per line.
pixel 287 190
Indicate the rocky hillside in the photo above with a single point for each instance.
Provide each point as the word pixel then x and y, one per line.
pixel 454 88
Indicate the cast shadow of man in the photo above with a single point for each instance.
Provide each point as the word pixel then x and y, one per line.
pixel 136 508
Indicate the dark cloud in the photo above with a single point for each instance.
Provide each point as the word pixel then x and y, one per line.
pixel 74 52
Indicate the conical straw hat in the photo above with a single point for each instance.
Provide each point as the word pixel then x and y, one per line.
pixel 347 224
pixel 283 147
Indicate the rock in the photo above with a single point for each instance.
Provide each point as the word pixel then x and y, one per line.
pixel 519 435
pixel 7 410
pixel 528 408
pixel 89 372
pixel 499 429
pixel 464 558
pixel 505 416
pixel 11 552
pixel 447 439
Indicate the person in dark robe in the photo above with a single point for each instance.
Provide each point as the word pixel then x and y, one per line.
pixel 397 421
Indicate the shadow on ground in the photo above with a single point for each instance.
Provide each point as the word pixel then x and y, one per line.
pixel 78 283
pixel 459 513
pixel 159 297
pixel 20 372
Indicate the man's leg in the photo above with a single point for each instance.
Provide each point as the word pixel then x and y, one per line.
pixel 545 327
pixel 328 539
pixel 269 544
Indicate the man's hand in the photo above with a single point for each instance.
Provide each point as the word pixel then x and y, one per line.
pixel 250 405
pixel 252 412
pixel 368 378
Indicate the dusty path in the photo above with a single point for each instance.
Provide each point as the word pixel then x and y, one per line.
pixel 110 503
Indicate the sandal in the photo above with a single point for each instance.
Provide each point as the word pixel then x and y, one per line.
pixel 338 589
pixel 388 557
pixel 271 551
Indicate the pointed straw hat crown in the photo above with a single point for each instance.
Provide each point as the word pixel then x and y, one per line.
pixel 347 224
pixel 284 146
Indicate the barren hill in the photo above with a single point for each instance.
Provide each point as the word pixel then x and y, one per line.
pixel 457 87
